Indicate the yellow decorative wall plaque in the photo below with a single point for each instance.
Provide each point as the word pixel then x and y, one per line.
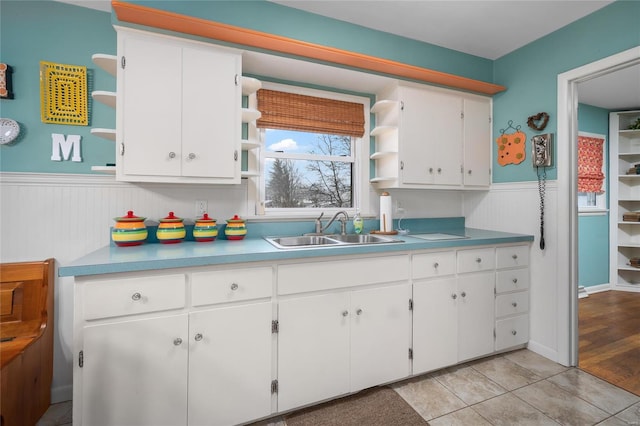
pixel 63 94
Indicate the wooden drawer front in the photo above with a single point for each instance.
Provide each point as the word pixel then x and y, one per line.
pixel 128 296
pixel 512 303
pixel 476 260
pixel 509 257
pixel 304 277
pixel 430 265
pixel 210 287
pixel 512 332
pixel 512 280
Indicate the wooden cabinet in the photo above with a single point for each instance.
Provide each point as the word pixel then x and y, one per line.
pixel 624 198
pixel 429 137
pixel 179 110
pixel 344 340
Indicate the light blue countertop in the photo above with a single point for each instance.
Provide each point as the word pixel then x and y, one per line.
pixel 113 259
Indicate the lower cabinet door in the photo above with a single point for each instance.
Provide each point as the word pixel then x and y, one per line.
pixel 313 349
pixel 135 372
pixel 380 335
pixel 230 364
pixel 435 324
pixel 475 315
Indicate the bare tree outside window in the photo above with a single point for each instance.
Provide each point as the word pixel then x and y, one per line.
pixel 332 184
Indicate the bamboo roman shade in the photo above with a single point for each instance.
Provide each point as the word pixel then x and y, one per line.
pixel 290 111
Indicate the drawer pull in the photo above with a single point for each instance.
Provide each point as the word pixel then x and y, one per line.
pixel 454 296
pixel 359 312
pixel 435 265
pixel 198 337
pixel 463 294
pixel 478 259
pixel 515 280
pixel 234 286
pixel 345 313
pixel 514 257
pixel 177 341
pixel 514 332
pixel 136 296
pixel 514 304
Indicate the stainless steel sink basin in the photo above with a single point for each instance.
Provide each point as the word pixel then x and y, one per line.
pixel 307 241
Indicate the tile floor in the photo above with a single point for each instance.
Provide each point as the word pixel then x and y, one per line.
pixel 516 388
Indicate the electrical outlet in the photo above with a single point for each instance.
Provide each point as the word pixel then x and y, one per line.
pixel 201 208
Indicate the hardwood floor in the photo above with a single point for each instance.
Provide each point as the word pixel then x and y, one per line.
pixel 609 338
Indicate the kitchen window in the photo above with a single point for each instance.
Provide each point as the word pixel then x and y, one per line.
pixel 315 151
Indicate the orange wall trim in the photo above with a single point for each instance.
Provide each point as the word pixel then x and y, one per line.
pixel 170 21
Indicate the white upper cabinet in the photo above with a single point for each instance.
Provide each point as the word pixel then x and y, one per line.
pixel 431 138
pixel 179 110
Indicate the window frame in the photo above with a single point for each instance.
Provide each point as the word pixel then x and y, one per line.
pixel 601 199
pixel 360 150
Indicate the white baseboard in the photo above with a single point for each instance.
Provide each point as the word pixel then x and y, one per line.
pixel 61 394
pixel 543 350
pixel 582 292
pixel 598 288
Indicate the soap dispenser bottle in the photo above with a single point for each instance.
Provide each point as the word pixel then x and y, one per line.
pixel 358 223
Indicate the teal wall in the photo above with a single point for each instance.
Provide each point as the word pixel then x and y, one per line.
pixel 34 31
pixel 593 231
pixel 530 73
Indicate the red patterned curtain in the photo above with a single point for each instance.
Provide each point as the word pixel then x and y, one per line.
pixel 590 157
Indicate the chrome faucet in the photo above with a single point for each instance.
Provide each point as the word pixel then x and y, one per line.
pixel 343 222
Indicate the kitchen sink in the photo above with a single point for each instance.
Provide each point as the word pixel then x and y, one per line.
pixel 334 240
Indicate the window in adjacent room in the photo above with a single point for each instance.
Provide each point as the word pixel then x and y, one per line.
pixel 591 172
pixel 314 157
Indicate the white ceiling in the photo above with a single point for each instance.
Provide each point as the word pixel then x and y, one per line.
pixel 485 28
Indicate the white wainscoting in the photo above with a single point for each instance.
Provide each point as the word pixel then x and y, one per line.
pixel 515 207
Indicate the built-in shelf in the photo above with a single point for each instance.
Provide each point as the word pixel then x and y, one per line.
pixel 249 115
pixel 109 134
pixel 110 170
pixel 250 85
pixel 383 105
pixel 630 133
pixel 379 130
pixel 381 179
pixel 629 245
pixel 109 63
pixel 248 174
pixel 105 97
pixel 248 145
pixel 628 222
pixel 381 154
pixel 628 268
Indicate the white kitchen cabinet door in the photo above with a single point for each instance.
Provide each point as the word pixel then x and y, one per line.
pixel 435 324
pixel 230 364
pixel 380 335
pixel 431 137
pixel 477 142
pixel 151 96
pixel 475 315
pixel 211 116
pixel 313 349
pixel 135 372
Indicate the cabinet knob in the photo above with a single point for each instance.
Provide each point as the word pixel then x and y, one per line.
pixel 514 304
pixel 463 294
pixel 136 296
pixel 435 265
pixel 177 341
pixel 172 154
pixel 234 286
pixel 191 156
pixel 514 332
pixel 198 337
pixel 430 169
pixel 359 312
pixel 345 313
pixel 469 171
pixel 514 256
pixel 454 296
pixel 478 259
pixel 401 165
pixel 515 280
pixel 439 170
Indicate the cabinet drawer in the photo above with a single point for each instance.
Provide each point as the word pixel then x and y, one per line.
pixel 508 257
pixel 512 331
pixel 512 280
pixel 128 296
pixel 304 277
pixel 512 303
pixel 211 287
pixel 428 265
pixel 476 260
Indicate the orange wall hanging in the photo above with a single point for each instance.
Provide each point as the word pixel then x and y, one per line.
pixel 511 146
